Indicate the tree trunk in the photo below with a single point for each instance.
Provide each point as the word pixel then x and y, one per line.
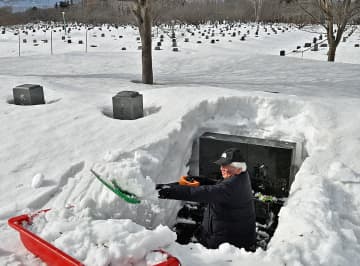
pixel 143 13
pixel 331 53
pixel 331 41
pixel 146 53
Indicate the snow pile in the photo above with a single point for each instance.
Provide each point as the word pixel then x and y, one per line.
pixel 129 173
pixel 101 242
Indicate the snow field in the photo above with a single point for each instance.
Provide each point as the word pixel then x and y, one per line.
pixel 317 104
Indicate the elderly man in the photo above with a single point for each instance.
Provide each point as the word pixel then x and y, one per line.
pixel 230 214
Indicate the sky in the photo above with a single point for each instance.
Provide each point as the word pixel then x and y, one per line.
pixel 22 5
pixel 234 87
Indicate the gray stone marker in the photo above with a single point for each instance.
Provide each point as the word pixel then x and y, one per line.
pixel 128 105
pixel 316 47
pixel 28 94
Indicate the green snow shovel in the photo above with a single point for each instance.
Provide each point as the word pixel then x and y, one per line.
pixel 114 187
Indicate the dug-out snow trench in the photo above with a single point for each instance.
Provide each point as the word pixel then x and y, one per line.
pixel 168 158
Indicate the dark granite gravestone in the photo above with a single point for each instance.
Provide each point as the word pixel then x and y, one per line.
pixel 278 158
pixel 28 94
pixel 316 47
pixel 128 105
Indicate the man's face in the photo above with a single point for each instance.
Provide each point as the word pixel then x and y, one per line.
pixel 229 171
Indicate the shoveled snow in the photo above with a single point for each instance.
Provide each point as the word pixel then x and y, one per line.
pixel 99 242
pixel 237 87
pixel 37 180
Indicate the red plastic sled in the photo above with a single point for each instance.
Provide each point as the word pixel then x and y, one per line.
pixel 53 256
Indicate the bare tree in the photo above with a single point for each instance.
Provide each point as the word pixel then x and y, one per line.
pixel 335 15
pixel 142 10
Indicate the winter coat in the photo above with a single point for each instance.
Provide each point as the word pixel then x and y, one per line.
pixel 229 215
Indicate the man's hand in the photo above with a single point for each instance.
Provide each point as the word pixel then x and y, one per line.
pixel 204 180
pixel 165 192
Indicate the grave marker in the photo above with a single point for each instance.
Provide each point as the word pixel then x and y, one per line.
pixel 128 105
pixel 28 94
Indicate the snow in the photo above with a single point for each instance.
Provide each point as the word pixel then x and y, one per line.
pixel 237 87
pixel 37 180
pixel 93 241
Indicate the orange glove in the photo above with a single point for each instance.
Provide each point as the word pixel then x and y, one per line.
pixel 188 181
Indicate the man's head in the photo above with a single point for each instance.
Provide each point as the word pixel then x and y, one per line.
pixel 231 163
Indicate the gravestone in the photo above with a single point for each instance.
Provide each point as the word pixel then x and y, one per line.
pixel 28 94
pixel 316 47
pixel 307 44
pixel 128 105
pixel 157 48
pixel 356 45
pixel 175 49
pixel 282 53
pixel 80 42
pixel 186 40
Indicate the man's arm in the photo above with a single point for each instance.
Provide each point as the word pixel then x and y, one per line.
pixel 205 193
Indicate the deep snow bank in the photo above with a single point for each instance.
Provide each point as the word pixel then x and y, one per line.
pixel 313 224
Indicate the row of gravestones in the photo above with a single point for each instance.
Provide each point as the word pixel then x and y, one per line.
pixel 174 45
pixel 78 26
pixel 127 105
pixel 212 32
pixel 316 45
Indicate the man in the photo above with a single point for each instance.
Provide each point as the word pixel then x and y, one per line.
pixel 230 214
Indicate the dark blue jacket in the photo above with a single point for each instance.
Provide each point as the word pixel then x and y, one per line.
pixel 229 215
